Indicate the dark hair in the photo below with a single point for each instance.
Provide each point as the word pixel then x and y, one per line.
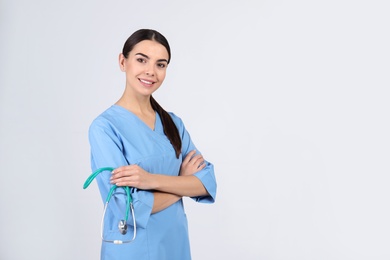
pixel 145 34
pixel 170 129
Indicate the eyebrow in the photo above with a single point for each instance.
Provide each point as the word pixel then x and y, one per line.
pixel 147 57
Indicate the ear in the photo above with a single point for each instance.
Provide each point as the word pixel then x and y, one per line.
pixel 122 60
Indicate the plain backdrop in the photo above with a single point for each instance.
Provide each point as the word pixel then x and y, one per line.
pixel 288 99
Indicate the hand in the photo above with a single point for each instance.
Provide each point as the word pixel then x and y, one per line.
pixel 133 176
pixel 192 164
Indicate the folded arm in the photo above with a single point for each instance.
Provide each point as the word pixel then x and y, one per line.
pixel 166 189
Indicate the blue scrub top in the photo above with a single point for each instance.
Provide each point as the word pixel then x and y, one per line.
pixel 118 137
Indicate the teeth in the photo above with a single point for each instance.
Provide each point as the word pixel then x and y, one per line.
pixel 147 82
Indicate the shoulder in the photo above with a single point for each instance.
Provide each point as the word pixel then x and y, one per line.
pixel 102 118
pixel 109 124
pixel 176 119
pixel 178 122
pixel 108 119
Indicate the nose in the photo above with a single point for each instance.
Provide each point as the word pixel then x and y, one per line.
pixel 149 71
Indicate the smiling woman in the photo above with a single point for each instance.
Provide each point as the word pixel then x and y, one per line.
pixel 150 151
pixel 145 67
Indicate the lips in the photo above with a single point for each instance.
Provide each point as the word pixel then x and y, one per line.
pixel 145 82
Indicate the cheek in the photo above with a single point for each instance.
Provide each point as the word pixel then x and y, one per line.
pixel 161 75
pixel 134 68
pixel 134 71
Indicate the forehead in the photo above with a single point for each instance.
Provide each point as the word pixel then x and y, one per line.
pixel 150 48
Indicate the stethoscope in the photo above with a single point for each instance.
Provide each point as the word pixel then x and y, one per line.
pixel 122 225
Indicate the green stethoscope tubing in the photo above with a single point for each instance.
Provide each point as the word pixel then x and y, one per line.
pixel 129 206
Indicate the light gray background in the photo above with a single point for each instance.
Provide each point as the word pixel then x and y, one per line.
pixel 289 100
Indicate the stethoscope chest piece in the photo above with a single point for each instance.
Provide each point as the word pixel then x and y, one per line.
pixel 122 227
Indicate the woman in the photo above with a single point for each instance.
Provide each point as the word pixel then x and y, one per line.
pixel 151 152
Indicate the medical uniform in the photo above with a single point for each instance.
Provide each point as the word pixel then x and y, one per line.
pixel 117 138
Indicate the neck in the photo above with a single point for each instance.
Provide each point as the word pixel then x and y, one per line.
pixel 136 104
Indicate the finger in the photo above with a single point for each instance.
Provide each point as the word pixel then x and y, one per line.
pixel 121 183
pixel 194 156
pixel 121 174
pixel 189 156
pixel 119 169
pixel 124 181
pixel 124 168
pixel 195 159
pixel 202 165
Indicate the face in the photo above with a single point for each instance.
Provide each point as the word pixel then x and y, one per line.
pixel 145 67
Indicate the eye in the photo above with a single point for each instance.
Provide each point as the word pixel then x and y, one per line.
pixel 141 60
pixel 161 65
